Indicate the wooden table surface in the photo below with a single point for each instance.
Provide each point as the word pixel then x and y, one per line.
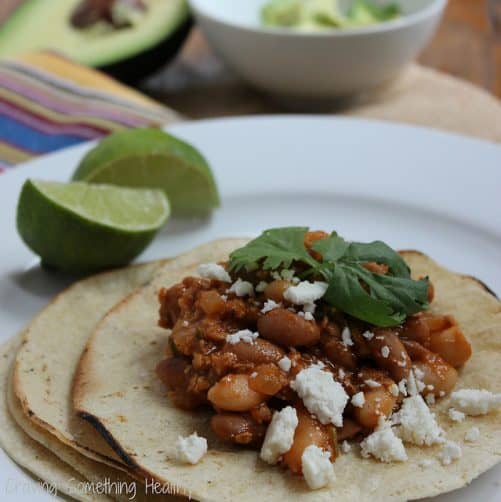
pixel 467 45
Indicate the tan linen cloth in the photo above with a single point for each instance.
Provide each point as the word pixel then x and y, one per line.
pixel 426 97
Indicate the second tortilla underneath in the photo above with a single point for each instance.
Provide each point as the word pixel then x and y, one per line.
pixel 117 391
pixel 27 452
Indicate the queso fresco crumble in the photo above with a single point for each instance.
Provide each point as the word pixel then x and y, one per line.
pixel 303 343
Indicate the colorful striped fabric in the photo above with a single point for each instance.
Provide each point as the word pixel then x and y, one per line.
pixel 48 102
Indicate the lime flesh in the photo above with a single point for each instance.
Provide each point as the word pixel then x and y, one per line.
pixel 80 228
pixel 151 158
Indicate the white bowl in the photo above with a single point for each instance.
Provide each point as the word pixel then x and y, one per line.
pixel 319 65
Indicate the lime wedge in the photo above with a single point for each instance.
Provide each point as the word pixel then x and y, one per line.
pixel 76 227
pixel 151 158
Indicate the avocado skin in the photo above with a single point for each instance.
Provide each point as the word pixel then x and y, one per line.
pixel 136 68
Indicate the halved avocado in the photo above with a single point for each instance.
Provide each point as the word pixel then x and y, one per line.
pixel 128 48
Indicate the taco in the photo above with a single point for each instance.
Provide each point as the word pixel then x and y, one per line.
pixel 300 366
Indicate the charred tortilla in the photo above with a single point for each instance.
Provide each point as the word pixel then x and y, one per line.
pixel 116 378
pixel 52 345
pixel 23 449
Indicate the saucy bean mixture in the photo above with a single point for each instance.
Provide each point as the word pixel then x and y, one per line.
pixel 245 379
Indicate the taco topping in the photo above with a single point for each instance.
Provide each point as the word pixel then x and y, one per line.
pixel 190 449
pixel 303 341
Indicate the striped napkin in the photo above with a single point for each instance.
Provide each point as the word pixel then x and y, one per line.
pixel 48 102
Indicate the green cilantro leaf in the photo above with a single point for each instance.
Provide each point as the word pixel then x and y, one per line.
pixel 332 248
pixel 380 299
pixel 378 252
pixel 279 247
pixel 385 300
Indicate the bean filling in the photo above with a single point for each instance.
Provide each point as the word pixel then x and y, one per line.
pixel 244 381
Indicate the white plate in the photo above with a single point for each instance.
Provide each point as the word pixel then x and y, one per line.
pixel 411 187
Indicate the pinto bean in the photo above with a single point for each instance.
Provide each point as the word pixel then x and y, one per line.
pixel 173 372
pixel 438 322
pixel 451 345
pixel 268 379
pixel 233 393
pixel 416 328
pixel 260 352
pixel 334 348
pixel 176 375
pixel 397 362
pixel 349 429
pixel 238 428
pixel 286 328
pixel 276 289
pixel 379 402
pixel 309 431
pixel 439 376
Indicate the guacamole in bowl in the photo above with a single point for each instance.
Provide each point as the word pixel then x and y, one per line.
pixel 318 15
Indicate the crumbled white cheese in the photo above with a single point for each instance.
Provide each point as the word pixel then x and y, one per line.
pixel 475 401
pixel 368 335
pixel 270 305
pixel 385 351
pixel 426 462
pixel 318 364
pixel 372 383
pixel 261 286
pixel 413 384
pixel 402 386
pixel 244 335
pixel 287 274
pixel 450 452
pixel 305 292
pixel 417 423
pixel 455 415
pixel 241 288
pixel 430 399
pixel 253 374
pixel 383 444
pixel 418 373
pixel 189 450
pixel 358 399
pixel 472 435
pixel 279 435
pixel 213 271
pixel 345 446
pixel 224 297
pixel 346 337
pixel 285 364
pixel 309 308
pixel 341 373
pixel 186 324
pixel 393 388
pixel 321 394
pixel 317 468
pixel 307 316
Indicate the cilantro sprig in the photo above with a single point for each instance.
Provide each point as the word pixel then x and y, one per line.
pixel 380 299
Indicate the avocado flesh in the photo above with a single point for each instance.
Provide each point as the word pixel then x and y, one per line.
pixel 45 24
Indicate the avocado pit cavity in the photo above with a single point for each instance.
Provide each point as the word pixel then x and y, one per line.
pixel 118 13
